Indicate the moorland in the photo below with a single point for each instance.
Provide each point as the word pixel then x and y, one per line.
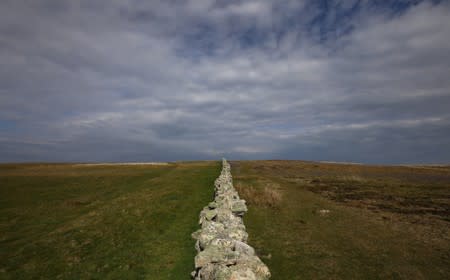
pixel 306 220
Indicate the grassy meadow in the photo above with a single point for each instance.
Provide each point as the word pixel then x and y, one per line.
pixel 65 221
pixel 307 220
pixel 311 220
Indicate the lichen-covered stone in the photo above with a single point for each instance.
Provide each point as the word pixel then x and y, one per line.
pixel 215 254
pixel 221 242
pixel 210 214
pixel 212 205
pixel 239 207
pixel 243 248
pixel 243 274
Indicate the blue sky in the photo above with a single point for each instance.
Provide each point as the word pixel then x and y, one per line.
pixel 129 80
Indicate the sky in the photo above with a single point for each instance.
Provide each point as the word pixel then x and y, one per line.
pixel 132 80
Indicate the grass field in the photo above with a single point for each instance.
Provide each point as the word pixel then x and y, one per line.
pixel 62 221
pixel 306 220
pixel 343 221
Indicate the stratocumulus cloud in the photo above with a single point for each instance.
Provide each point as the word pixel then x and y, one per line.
pixel 132 80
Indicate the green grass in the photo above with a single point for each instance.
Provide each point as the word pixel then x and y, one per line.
pixel 383 222
pixel 62 221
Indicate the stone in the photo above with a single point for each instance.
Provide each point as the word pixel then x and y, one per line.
pixel 196 234
pixel 243 248
pixel 238 234
pixel 212 205
pixel 244 274
pixel 210 214
pixel 215 254
pixel 238 207
pixel 223 253
pixel 224 243
pixel 222 273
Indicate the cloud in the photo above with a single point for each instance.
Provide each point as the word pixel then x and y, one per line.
pixel 164 80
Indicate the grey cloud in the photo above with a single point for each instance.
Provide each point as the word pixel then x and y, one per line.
pixel 402 142
pixel 164 80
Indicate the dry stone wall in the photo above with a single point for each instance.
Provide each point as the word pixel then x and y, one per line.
pixel 223 252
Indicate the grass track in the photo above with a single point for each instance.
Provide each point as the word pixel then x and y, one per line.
pixel 62 221
pixel 384 222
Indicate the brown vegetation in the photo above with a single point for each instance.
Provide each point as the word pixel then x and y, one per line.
pixel 264 194
pixel 348 221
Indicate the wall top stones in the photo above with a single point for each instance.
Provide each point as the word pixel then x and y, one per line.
pixel 222 249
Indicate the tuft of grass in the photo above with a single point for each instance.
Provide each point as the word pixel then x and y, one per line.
pixel 63 221
pixel 261 194
pixel 346 221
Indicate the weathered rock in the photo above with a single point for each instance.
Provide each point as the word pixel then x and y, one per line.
pixel 210 214
pixel 196 234
pixel 238 234
pixel 212 205
pixel 243 248
pixel 243 274
pixel 239 208
pixel 221 242
pixel 225 243
pixel 216 254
